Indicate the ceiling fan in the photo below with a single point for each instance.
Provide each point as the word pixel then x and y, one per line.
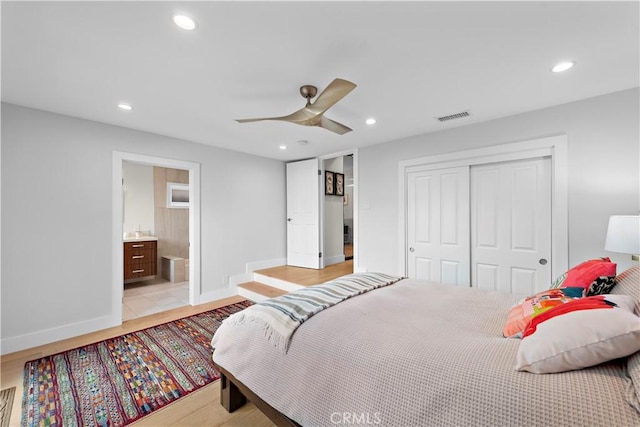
pixel 313 113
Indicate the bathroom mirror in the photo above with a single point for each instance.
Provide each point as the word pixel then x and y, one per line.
pixel 177 195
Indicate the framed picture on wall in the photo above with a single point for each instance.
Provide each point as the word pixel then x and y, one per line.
pixel 339 184
pixel 177 195
pixel 329 183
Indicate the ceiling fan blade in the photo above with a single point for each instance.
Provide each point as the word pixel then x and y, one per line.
pixel 299 117
pixel 251 120
pixel 333 93
pixel 336 127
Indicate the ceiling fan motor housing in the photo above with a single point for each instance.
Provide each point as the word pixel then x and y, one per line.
pixel 308 91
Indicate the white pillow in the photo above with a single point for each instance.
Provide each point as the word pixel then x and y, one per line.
pixel 583 338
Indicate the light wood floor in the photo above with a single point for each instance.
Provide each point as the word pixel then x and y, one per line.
pixel 201 408
pixel 262 289
pixel 308 276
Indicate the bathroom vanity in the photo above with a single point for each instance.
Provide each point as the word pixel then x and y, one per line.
pixel 140 257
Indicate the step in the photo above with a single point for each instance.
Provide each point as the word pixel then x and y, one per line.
pixel 276 282
pixel 291 278
pixel 258 292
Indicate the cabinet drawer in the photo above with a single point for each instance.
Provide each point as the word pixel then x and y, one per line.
pixel 139 270
pixel 135 248
pixel 146 256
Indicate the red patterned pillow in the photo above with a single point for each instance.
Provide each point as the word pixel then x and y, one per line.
pixel 522 313
pixel 596 276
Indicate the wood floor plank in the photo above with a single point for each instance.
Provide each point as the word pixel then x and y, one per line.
pixel 308 276
pixel 262 289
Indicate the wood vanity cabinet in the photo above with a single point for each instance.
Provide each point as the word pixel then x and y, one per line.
pixel 140 259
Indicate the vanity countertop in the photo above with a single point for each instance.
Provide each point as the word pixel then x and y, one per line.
pixel 139 239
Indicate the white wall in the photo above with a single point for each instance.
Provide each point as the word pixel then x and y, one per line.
pixel 138 192
pixel 333 251
pixel 604 172
pixel 57 207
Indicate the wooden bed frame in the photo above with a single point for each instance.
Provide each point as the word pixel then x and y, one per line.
pixel 234 394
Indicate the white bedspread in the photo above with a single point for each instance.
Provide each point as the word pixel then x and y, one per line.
pixel 417 354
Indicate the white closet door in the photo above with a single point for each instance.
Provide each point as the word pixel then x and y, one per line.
pixel 438 225
pixel 303 214
pixel 511 226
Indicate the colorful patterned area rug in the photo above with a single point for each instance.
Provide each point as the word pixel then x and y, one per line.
pixel 120 380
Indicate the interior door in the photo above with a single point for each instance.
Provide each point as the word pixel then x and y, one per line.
pixel 303 214
pixel 438 225
pixel 511 225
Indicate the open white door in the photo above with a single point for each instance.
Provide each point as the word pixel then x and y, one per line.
pixel 303 214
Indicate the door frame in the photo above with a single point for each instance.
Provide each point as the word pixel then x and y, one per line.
pixel 553 146
pixel 118 216
pixel 356 223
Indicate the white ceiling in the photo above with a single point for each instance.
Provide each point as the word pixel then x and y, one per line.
pixel 412 61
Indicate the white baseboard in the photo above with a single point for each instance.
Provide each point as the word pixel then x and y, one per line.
pixel 46 336
pixel 229 291
pixel 333 260
pixel 259 265
pixel 240 278
pixel 34 339
pixel 251 296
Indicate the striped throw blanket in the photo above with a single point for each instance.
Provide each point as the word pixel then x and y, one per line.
pixel 280 317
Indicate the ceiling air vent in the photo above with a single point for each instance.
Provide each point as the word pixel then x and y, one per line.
pixel 453 116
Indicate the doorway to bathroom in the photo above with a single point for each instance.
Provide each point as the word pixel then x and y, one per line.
pixel 156 239
pixel 156 211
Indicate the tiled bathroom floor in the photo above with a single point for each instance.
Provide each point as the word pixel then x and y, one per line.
pixel 153 296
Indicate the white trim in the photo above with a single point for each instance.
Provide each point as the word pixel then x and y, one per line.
pixel 238 279
pixel 356 215
pixel 274 282
pixel 195 296
pixel 260 265
pixel 34 339
pixel 333 260
pixel 227 292
pixel 251 295
pixel 554 146
pixel 356 192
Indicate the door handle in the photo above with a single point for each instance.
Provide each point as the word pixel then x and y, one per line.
pixel 411 249
pixel 542 261
pixel 289 219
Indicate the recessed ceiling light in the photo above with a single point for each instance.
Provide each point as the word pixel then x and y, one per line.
pixel 370 121
pixel 283 147
pixel 184 22
pixel 562 66
pixel 124 106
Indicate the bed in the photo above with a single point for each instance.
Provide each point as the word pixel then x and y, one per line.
pixel 419 353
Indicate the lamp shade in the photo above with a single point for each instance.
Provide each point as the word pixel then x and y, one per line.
pixel 623 234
